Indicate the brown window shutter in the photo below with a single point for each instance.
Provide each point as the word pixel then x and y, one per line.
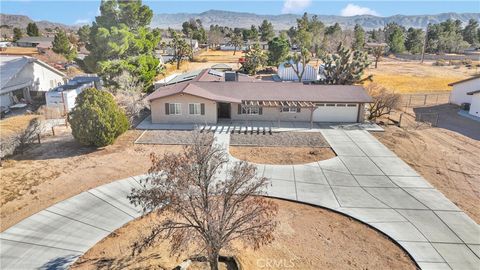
pixel 202 108
pixel 167 108
pixel 260 110
pixel 239 108
pixel 298 109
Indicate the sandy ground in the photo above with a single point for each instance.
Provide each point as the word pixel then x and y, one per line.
pixel 306 238
pixel 448 160
pixel 60 168
pixel 281 155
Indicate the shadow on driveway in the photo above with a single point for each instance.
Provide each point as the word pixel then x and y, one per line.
pixel 448 118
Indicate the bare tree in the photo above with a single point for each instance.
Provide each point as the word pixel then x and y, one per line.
pixel 129 95
pixel 202 207
pixel 384 101
pixel 29 135
pixel 377 50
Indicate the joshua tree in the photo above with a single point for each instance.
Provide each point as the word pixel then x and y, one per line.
pixel 202 205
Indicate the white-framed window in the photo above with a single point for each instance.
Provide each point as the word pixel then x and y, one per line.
pixel 289 109
pixel 341 105
pixel 351 105
pixel 175 108
pixel 252 110
pixel 330 105
pixel 320 104
pixel 194 108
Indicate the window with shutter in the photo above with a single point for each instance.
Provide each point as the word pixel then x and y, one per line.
pixel 167 109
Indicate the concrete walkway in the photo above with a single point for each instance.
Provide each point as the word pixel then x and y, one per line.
pixel 366 181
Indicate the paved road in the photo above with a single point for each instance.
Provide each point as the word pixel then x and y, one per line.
pixel 366 181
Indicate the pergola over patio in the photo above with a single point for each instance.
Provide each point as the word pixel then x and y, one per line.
pixel 282 104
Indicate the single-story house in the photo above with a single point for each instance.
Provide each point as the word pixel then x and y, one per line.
pixel 22 77
pixel 64 96
pixel 208 98
pixel 39 42
pixel 459 94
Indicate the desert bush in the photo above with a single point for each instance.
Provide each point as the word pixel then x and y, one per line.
pixel 440 62
pixel 199 59
pixel 28 136
pixel 467 61
pixel 96 119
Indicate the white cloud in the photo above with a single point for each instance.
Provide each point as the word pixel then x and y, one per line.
pixel 353 10
pixel 295 6
pixel 83 21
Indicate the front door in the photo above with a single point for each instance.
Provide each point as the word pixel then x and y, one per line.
pixel 223 110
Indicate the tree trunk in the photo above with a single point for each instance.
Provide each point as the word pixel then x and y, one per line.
pixel 376 62
pixel 178 63
pixel 234 50
pixel 213 260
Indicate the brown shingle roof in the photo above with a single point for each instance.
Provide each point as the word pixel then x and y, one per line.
pixel 211 87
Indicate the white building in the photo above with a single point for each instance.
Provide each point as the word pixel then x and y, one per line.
pixel 25 77
pixel 286 72
pixel 461 89
pixel 64 96
pixel 475 103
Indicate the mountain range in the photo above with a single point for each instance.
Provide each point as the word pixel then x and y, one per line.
pixel 285 21
pixel 280 22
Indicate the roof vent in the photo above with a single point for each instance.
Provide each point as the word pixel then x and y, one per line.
pixel 231 76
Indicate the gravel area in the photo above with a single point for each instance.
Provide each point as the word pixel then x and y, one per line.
pixel 166 137
pixel 280 139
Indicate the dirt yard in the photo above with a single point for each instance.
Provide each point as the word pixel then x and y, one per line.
pixel 306 238
pixel 413 77
pixel 60 168
pixel 281 155
pixel 448 160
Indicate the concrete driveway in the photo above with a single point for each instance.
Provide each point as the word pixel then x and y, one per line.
pixel 366 181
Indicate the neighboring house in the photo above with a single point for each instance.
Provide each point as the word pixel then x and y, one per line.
pixel 475 103
pixel 64 96
pixel 38 42
pixel 23 77
pixel 211 96
pixel 461 89
pixel 287 73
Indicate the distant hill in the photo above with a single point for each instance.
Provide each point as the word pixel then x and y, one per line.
pixel 285 21
pixel 22 21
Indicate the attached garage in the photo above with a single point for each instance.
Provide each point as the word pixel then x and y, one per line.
pixel 336 112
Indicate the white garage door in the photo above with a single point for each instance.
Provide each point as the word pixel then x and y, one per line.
pixel 335 112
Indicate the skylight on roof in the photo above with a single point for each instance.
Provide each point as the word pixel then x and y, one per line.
pixel 216 73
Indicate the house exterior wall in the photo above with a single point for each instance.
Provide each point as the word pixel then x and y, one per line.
pixel 47 79
pixel 157 107
pixel 475 105
pixel 270 114
pixel 460 90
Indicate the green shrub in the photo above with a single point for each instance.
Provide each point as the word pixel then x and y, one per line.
pixel 96 119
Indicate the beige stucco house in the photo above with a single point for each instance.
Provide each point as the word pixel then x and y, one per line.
pixel 212 96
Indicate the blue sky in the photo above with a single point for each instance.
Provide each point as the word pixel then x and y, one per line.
pixel 71 12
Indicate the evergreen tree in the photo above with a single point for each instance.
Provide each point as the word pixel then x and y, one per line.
pixel 120 40
pixel 255 58
pixel 83 34
pixel 470 32
pixel 17 34
pixel 359 35
pixel 32 30
pixel 396 40
pixel 236 40
pixel 62 46
pixel 266 31
pixel 96 118
pixel 414 41
pixel 278 49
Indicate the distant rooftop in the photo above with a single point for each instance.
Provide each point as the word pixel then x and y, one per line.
pixel 36 39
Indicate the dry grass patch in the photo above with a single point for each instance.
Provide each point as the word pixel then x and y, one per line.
pixel 221 56
pixel 281 155
pixel 15 124
pixel 19 51
pixel 307 238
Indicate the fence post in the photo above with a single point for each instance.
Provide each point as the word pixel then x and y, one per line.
pixel 410 101
pixel 400 120
pixel 436 101
pixel 425 100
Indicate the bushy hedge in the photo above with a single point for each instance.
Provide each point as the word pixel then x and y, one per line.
pixel 96 119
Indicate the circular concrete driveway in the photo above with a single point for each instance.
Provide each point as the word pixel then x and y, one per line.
pixel 366 181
